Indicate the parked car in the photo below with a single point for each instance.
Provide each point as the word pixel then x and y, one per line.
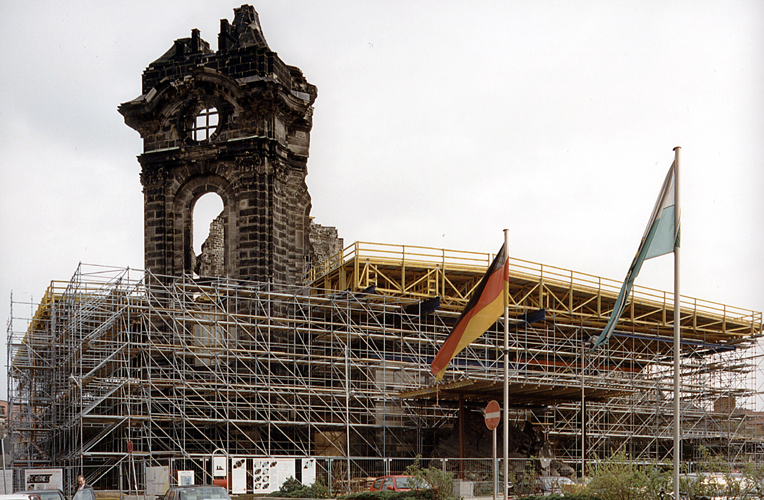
pixel 398 482
pixel 195 492
pixel 172 492
pixel 554 484
pixel 86 493
pixel 19 496
pixel 54 494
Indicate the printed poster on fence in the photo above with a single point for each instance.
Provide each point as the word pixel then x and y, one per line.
pixel 308 471
pixel 185 477
pixel 269 474
pixel 219 467
pixel 157 480
pixel 43 479
pixel 238 475
pixel 7 485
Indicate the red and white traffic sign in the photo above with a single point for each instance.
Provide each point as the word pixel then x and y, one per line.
pixel 492 414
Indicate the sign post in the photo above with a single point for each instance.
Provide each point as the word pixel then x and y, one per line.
pixel 492 418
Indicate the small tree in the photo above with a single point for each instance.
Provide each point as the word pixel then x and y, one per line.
pixel 526 483
pixel 618 478
pixel 753 479
pixel 440 483
pixel 717 478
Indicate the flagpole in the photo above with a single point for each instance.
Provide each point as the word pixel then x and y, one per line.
pixel 677 329
pixel 506 378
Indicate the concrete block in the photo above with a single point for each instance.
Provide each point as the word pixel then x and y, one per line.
pixel 463 488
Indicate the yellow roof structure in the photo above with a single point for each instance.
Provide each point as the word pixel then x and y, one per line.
pixel 584 299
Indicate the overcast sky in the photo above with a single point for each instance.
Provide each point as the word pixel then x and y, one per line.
pixel 437 124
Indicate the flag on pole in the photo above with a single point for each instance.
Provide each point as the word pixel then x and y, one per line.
pixel 659 239
pixel 484 308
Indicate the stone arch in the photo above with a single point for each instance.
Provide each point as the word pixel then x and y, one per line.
pixel 183 207
pixel 207 213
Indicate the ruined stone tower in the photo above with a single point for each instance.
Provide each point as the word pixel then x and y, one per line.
pixel 235 122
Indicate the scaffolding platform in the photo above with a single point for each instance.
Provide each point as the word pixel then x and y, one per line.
pixel 339 367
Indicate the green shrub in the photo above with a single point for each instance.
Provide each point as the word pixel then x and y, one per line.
pixel 717 478
pixel 292 488
pixel 568 496
pixel 432 483
pixel 618 478
pixel 390 495
pixel 525 484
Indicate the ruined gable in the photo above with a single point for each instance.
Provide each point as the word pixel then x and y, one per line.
pixel 235 122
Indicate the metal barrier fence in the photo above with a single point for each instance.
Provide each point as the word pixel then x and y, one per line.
pixel 340 475
pixel 357 474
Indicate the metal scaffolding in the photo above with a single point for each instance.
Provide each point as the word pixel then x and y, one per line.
pixel 181 366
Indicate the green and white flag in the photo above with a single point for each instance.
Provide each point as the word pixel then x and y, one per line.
pixel 659 239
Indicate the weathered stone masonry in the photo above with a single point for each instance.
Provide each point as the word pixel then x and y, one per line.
pixel 235 122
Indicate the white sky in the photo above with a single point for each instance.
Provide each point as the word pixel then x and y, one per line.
pixel 437 124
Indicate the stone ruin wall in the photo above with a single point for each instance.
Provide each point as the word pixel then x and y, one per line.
pixel 325 243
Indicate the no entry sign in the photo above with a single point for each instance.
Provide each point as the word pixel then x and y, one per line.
pixel 492 415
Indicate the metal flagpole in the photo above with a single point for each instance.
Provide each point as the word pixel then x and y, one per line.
pixel 677 330
pixel 506 377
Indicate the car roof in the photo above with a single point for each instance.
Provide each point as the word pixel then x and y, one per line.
pixel 195 486
pixel 191 486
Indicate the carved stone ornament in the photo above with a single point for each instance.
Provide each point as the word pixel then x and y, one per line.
pixel 153 177
pixel 250 164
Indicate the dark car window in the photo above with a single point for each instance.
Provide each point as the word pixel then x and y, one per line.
pixel 388 482
pixel 403 482
pixel 49 495
pixel 85 494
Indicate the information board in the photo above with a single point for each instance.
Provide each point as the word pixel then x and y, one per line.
pixel 238 475
pixel 269 474
pixel 308 471
pixel 157 480
pixel 43 479
pixel 6 484
pixel 219 466
pixel 185 477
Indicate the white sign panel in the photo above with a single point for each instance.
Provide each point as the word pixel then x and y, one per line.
pixel 269 474
pixel 261 477
pixel 284 469
pixel 157 480
pixel 219 467
pixel 308 471
pixel 238 475
pixel 43 479
pixel 6 485
pixel 185 477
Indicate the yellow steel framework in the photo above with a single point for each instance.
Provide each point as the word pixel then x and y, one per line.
pixel 422 272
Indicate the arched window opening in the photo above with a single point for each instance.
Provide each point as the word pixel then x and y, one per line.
pixel 209 236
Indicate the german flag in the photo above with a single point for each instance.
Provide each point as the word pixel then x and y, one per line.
pixel 485 307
